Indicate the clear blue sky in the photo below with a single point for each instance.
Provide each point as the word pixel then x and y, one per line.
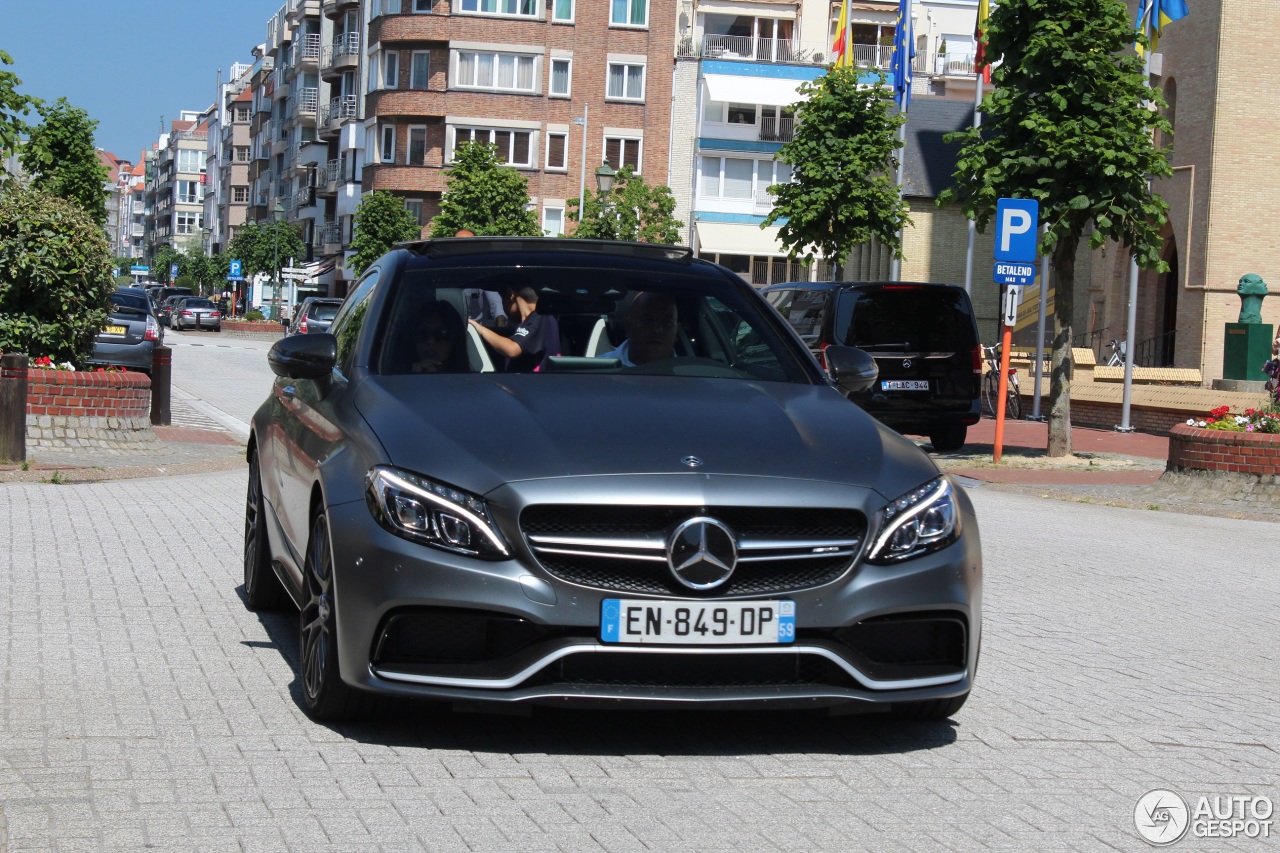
pixel 129 62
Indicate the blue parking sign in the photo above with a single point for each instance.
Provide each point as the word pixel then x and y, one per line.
pixel 235 269
pixel 1017 227
pixel 173 270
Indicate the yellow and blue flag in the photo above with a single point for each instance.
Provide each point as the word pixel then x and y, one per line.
pixel 1159 13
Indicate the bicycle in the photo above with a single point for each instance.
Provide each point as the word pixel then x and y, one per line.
pixel 1119 351
pixel 991 386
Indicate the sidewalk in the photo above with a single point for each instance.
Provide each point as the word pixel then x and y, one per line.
pixel 176 450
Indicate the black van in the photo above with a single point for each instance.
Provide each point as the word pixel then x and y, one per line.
pixel 924 338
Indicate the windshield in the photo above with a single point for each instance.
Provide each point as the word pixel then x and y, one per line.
pixel 324 310
pixel 588 320
pixel 197 303
pixel 127 300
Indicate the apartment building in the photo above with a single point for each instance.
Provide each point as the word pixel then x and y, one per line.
pixel 118 198
pixel 176 183
pixel 536 79
pixel 226 197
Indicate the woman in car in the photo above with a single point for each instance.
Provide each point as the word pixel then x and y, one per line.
pixel 439 346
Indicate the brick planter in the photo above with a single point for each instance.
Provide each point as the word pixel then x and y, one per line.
pixel 246 329
pixel 77 408
pixel 1192 448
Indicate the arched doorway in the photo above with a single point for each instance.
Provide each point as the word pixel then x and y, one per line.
pixel 1161 349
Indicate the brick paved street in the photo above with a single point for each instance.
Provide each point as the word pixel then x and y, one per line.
pixel 144 708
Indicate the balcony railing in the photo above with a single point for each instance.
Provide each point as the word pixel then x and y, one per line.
pixel 308 98
pixel 343 47
pixel 763 202
pixel 343 108
pixel 710 46
pixel 309 49
pixel 331 235
pixel 777 129
pixel 332 171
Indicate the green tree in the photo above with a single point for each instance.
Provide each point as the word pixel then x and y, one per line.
pixel 632 210
pixel 381 220
pixel 205 270
pixel 163 260
pixel 61 160
pixel 13 105
pixel 842 191
pixel 484 196
pixel 266 247
pixel 56 276
pixel 1068 124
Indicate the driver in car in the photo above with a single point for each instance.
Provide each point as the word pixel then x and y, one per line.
pixel 650 325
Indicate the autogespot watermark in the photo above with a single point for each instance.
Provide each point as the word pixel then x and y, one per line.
pixel 1163 817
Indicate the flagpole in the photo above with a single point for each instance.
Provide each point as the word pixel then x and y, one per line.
pixel 848 37
pixel 1131 330
pixel 904 44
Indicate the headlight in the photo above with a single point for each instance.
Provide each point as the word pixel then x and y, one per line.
pixel 922 520
pixel 432 513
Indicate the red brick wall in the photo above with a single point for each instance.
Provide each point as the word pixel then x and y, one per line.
pixel 1222 450
pixel 85 394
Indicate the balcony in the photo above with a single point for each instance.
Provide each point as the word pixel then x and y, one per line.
pixel 777 129
pixel 308 101
pixel 309 51
pixel 281 82
pixel 790 51
pixel 763 202
pixel 335 8
pixel 341 110
pixel 341 56
pixel 299 9
pixel 330 238
pixel 328 178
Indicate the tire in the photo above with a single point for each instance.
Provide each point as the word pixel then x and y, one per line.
pixel 990 392
pixel 325 697
pixel 929 709
pixel 262 589
pixel 948 439
pixel 1013 407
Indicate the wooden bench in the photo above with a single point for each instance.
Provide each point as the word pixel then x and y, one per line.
pixel 1150 375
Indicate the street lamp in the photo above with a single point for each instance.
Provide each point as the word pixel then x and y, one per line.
pixel 604 178
pixel 582 166
pixel 277 215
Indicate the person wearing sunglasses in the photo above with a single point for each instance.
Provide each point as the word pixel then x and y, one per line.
pixel 438 343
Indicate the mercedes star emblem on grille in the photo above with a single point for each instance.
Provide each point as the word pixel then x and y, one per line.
pixel 906 362
pixel 702 553
pixel 692 461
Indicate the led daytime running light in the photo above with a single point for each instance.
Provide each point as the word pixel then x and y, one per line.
pixel 482 524
pixel 920 505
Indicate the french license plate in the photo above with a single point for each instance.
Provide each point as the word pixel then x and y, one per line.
pixel 905 385
pixel 114 330
pixel 685 623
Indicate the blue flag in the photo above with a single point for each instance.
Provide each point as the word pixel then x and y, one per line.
pixel 904 54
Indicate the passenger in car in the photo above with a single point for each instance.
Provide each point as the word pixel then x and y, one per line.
pixel 439 346
pixel 535 337
pixel 651 325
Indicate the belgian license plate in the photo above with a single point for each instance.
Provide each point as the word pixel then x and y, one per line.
pixel 905 385
pixel 115 330
pixel 685 623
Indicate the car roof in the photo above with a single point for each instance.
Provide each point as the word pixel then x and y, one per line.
pixel 852 285
pixel 461 246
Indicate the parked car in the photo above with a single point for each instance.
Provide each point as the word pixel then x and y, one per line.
pixel 694 515
pixel 164 313
pixel 130 336
pixel 924 338
pixel 195 312
pixel 314 315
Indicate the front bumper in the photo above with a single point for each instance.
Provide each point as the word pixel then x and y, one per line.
pixel 420 622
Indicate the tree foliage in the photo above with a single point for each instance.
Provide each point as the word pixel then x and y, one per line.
pixel 380 221
pixel 843 191
pixel 484 196
pixel 162 261
pixel 55 276
pixel 61 160
pixel 1066 124
pixel 632 210
pixel 13 106
pixel 266 247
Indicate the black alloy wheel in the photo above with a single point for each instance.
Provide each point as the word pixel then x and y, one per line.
pixel 262 589
pixel 325 696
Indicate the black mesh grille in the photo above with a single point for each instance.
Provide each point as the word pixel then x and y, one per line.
pixel 452 636
pixel 606 669
pixel 653 577
pixel 908 645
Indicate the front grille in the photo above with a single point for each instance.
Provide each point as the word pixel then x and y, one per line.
pixel 623 549
pixel 604 669
pixel 906 646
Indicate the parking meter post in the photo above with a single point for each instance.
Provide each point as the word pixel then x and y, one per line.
pixel 13 407
pixel 1006 343
pixel 161 375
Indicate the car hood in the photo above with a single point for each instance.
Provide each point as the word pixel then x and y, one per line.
pixel 479 432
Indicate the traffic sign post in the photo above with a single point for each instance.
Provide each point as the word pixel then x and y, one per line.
pixel 1017 227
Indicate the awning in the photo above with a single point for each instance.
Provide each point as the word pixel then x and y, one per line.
pixel 770 91
pixel 728 238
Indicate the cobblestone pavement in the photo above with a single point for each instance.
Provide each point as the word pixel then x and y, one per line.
pixel 144 708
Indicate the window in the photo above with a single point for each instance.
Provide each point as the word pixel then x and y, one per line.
pixel 562 10
pixel 414 206
pixel 508 71
pixel 626 81
pixel 713 111
pixel 629 13
pixel 189 223
pixel 527 8
pixel 421 6
pixel 390 69
pixel 553 221
pixel 734 177
pixel 515 147
pixel 240 195
pixel 242 154
pixel 387 146
pixel 419 69
pixel 557 150
pixel 189 192
pixel 190 161
pixel 621 152
pixel 560 76
pixel 742 114
pixel 242 115
pixel 416 152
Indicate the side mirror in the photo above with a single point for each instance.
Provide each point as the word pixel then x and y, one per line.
pixel 304 356
pixel 851 368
